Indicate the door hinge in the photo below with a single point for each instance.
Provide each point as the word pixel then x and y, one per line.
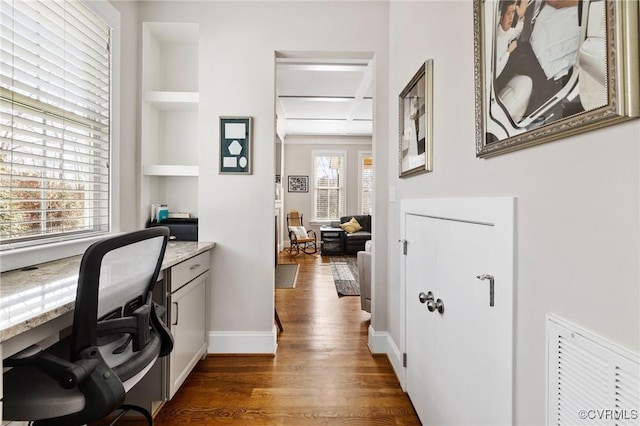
pixel 404 246
pixel 404 359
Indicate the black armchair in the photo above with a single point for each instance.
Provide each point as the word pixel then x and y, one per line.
pixel 116 337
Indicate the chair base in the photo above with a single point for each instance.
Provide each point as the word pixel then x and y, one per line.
pixel 126 408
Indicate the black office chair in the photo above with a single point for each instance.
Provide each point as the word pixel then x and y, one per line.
pixel 116 337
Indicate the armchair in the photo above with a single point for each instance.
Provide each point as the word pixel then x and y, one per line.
pixel 116 337
pixel 299 238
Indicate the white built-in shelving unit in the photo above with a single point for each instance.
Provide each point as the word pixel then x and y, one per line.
pixel 169 117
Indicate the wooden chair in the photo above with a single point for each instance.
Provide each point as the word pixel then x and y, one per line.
pixel 300 240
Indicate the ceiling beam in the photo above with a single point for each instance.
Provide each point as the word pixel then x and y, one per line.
pixel 363 87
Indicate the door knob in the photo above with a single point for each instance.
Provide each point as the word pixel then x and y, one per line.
pixel 425 297
pixel 438 305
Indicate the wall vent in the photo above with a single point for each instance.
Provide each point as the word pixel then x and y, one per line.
pixel 590 380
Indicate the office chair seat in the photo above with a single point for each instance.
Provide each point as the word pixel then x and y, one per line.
pixel 31 384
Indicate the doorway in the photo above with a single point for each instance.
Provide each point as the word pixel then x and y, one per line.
pixel 323 100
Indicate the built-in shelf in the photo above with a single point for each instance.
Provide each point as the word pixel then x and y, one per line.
pixel 173 101
pixel 169 170
pixel 169 119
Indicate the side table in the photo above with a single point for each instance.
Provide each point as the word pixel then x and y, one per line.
pixel 332 241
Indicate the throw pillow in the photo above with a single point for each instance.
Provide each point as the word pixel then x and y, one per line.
pixel 352 226
pixel 299 232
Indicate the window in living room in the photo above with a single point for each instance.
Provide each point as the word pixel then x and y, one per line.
pixel 55 116
pixel 366 183
pixel 329 180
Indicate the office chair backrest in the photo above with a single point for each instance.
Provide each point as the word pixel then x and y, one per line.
pixel 116 277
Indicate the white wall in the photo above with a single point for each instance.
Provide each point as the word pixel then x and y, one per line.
pixel 298 162
pixel 578 200
pixel 578 233
pixel 237 45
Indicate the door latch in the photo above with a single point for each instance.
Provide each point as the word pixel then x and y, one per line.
pixel 491 285
pixel 404 246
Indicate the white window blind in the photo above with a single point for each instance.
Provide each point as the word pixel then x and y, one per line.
pixel 366 184
pixel 55 86
pixel 328 185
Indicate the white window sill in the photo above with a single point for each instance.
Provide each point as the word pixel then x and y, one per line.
pixel 26 256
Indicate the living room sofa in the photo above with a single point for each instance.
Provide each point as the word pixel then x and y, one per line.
pixel 355 241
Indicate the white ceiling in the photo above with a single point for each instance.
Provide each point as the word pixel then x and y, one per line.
pixel 324 96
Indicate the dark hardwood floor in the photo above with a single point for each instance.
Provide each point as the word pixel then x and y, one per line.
pixel 322 373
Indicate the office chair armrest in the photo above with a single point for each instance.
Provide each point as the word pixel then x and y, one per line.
pixel 140 328
pixel 166 338
pixel 71 376
pixel 24 357
pixel 137 326
pixel 67 374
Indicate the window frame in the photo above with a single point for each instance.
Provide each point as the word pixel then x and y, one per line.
pixel 18 255
pixel 361 156
pixel 343 188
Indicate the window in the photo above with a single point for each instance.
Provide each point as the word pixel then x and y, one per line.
pixel 329 180
pixel 55 122
pixel 366 183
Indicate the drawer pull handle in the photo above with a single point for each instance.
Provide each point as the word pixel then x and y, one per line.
pixel 196 266
pixel 177 311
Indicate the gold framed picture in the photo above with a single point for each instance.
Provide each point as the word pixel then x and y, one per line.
pixel 545 70
pixel 415 117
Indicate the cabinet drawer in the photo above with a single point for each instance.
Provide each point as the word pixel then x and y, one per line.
pixel 331 235
pixel 184 272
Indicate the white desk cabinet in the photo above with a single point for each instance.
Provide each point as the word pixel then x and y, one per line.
pixel 187 315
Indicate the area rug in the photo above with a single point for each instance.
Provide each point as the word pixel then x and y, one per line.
pixel 345 276
pixel 286 276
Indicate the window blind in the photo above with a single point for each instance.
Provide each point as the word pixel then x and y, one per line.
pixel 329 186
pixel 367 185
pixel 54 121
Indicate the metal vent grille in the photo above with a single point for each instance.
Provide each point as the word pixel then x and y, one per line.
pixel 590 381
pixel 627 393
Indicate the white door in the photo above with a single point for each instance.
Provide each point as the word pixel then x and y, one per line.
pixel 420 323
pixel 461 373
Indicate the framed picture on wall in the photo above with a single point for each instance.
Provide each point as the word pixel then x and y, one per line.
pixel 298 183
pixel 415 117
pixel 235 145
pixel 545 70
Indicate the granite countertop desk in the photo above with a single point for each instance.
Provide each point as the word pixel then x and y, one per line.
pixel 35 295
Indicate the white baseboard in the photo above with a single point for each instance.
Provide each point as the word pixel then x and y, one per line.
pixel 378 341
pixel 243 342
pixel 382 343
